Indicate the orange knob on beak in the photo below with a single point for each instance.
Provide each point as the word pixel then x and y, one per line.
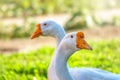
pixel 80 42
pixel 37 31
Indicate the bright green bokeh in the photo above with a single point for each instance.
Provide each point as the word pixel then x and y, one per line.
pixel 34 64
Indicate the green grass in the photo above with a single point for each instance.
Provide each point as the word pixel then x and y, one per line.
pixel 34 64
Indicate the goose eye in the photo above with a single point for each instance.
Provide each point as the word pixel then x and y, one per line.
pixel 71 36
pixel 45 24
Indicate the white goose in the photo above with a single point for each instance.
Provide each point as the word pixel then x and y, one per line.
pixel 72 42
pixel 51 28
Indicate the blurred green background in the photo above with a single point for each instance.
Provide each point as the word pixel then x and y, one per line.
pixel 82 14
pixel 99 19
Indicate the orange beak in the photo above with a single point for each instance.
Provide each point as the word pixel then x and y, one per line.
pixel 80 42
pixel 37 31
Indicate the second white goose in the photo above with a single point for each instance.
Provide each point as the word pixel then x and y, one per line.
pixel 71 43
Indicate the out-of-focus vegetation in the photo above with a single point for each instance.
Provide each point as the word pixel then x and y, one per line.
pixel 34 64
pixel 26 29
pixel 17 31
pixel 21 8
pixel 81 20
pixel 81 12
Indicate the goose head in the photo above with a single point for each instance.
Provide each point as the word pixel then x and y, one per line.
pixel 47 28
pixel 75 41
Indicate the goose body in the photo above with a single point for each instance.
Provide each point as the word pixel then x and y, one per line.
pixel 51 28
pixel 93 74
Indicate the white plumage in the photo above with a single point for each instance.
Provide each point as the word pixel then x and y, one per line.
pixel 51 28
pixel 93 74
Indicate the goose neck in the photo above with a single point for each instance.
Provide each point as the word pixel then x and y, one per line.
pixel 61 64
pixel 59 34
